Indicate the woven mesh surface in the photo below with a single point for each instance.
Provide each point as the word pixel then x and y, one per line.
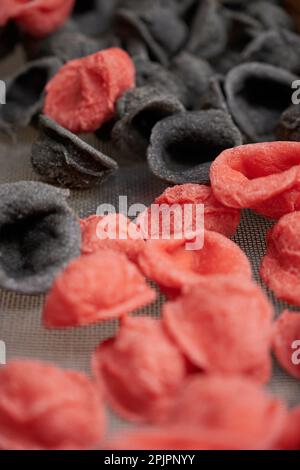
pixel 20 316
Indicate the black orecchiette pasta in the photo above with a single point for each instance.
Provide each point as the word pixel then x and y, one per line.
pixel 214 98
pixel 94 17
pixel 241 29
pixel 155 75
pixel 183 6
pixel 195 73
pixel 62 158
pixel 180 6
pixel 66 44
pixel 270 15
pixel 39 235
pixel 183 146
pixel 160 28
pixel 140 109
pixel 257 94
pixel 136 48
pixel 208 35
pixel 25 93
pixel 271 47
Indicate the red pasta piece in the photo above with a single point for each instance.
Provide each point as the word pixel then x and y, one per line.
pixel 113 231
pixel 141 370
pixel 82 95
pixel 37 18
pixel 94 288
pixel 223 325
pixel 280 268
pixel 290 435
pixel 233 405
pixel 172 266
pixel 183 198
pixel 264 177
pixel 43 407
pixel 286 342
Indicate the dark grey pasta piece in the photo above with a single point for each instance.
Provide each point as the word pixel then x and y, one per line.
pixel 182 6
pixel 215 98
pixel 66 44
pixel 241 30
pixel 94 17
pixel 270 15
pixel 195 73
pixel 138 5
pixel 133 99
pixel 140 109
pixel 276 47
pixel 139 97
pixel 162 23
pixel 136 48
pixel 289 125
pixel 241 5
pixel 208 36
pixel 257 94
pixel 155 75
pixel 160 28
pixel 39 235
pixel 25 93
pixel 62 158
pixel 235 5
pixel 226 61
pixel 183 146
